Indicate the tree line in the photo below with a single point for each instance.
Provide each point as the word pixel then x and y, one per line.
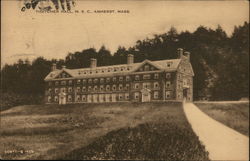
pixel 220 62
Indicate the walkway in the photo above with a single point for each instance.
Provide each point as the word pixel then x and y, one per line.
pixel 222 142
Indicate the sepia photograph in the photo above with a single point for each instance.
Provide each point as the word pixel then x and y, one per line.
pixel 124 80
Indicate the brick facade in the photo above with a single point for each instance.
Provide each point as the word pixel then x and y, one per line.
pixel 139 82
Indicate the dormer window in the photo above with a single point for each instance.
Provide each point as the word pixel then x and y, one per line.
pixel 169 64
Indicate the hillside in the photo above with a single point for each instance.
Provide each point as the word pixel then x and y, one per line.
pixel 234 114
pixel 113 131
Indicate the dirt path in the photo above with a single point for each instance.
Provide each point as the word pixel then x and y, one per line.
pixel 222 142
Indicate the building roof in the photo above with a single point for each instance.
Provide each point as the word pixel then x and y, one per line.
pixel 122 69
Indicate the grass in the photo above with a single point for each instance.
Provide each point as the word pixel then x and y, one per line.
pixel 110 131
pixel 232 114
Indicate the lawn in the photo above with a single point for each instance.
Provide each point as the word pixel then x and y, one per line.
pixel 99 131
pixel 233 114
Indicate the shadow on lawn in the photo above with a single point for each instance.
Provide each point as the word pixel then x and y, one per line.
pixel 147 141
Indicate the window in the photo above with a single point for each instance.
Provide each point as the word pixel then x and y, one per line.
pixel 83 97
pixel 120 79
pixel 102 80
pixel 95 88
pixel 136 95
pixel 63 82
pixel 152 68
pixel 70 82
pixel 49 98
pixel 141 69
pixel 120 87
pixel 185 82
pixel 156 85
pixel 56 90
pixel 114 87
pixel 83 89
pixel 101 88
pixel 78 89
pixel 146 67
pixel 90 81
pixel 127 96
pixel 156 76
pixel 126 86
pixel 84 81
pixel 70 89
pixel 136 85
pixel 137 77
pixel 107 80
pixel 56 83
pixel 78 98
pixel 146 85
pixel 62 89
pixel 49 90
pixel 156 95
pixel 50 83
pixel 108 88
pixel 168 94
pixel 89 88
pixel 56 98
pixel 95 80
pixel 120 96
pixel 168 83
pixel 168 75
pixel 69 98
pixel 78 81
pixel 146 76
pixel 127 78
pixel 114 79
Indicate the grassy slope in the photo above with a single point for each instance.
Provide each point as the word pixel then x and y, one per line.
pixel 232 114
pixel 126 130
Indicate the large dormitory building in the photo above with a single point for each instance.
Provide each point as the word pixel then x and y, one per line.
pixel 146 81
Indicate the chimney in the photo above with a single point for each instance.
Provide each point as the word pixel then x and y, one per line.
pixel 92 63
pixel 53 67
pixel 130 59
pixel 63 67
pixel 187 54
pixel 180 52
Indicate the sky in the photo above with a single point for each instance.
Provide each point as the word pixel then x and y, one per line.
pixel 53 35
